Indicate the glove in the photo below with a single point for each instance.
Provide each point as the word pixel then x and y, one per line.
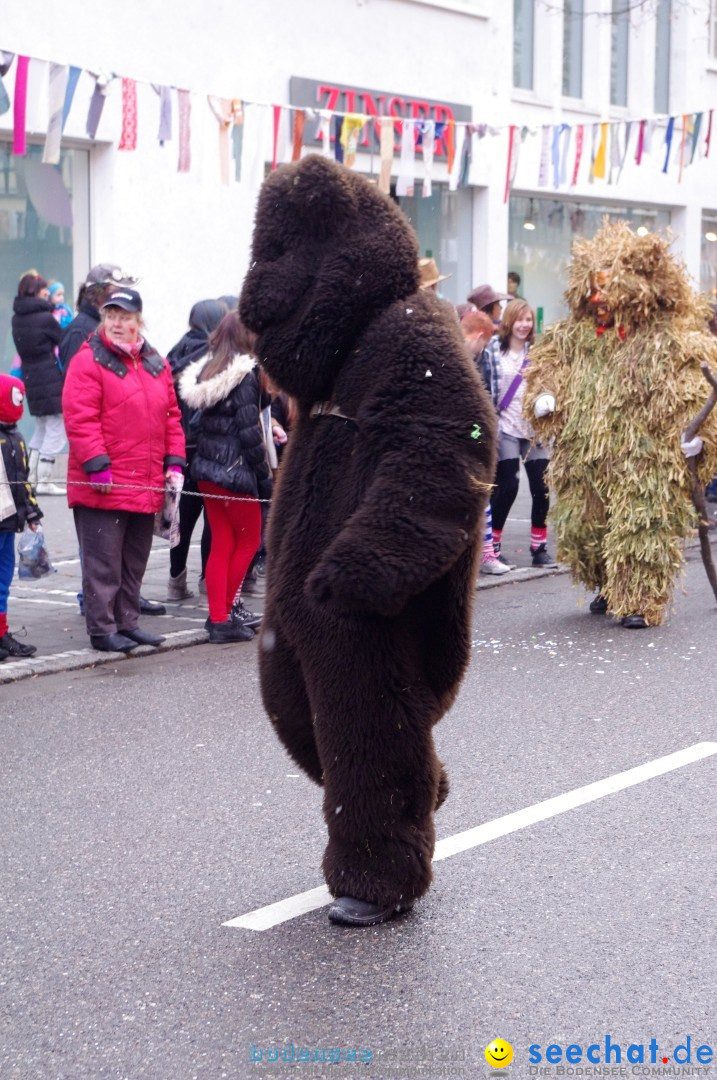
pixel 174 468
pixel 100 479
pixel 544 404
pixel 691 448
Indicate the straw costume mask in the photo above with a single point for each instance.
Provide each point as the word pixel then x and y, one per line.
pixel 624 369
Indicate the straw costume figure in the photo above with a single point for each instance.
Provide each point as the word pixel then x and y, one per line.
pixel 616 384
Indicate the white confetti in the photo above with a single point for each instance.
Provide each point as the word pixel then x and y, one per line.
pixel 429 373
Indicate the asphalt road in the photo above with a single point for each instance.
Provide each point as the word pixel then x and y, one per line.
pixel 145 805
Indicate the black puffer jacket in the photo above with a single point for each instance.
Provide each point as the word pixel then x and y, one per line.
pixel 230 446
pixel 14 455
pixel 78 331
pixel 36 333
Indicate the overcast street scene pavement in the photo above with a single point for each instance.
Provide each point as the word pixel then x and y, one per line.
pixel 149 816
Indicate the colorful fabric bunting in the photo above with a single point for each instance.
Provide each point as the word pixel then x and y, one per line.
pixel 19 141
pixel 708 140
pixel 407 159
pixel 298 137
pixel 683 142
pixel 184 104
pixel 350 130
pixel 428 145
pixel 579 140
pixel 6 59
pixel 544 156
pixel 338 148
pixel 385 124
pixel 668 142
pixel 599 164
pixel 640 143
pixel 696 135
pixel 72 80
pixel 59 76
pixel 164 132
pixel 509 172
pixel 223 109
pixel 97 104
pixel 128 138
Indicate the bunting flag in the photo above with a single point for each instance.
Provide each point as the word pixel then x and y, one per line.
pixel 623 156
pixel 450 142
pixel 6 59
pixel 59 76
pixel 338 148
pixel 649 130
pixel 238 137
pixel 97 104
pixel 565 137
pixel 615 156
pixel 579 140
pixel 407 159
pixel 458 138
pixel 72 80
pixel 640 143
pixel 544 156
pixel 509 172
pixel 223 109
pixel 350 130
pixel 298 137
pixel 164 132
pixel 708 140
pixel 668 142
pixel 325 133
pixel 128 138
pixel 275 142
pixel 696 135
pixel 683 141
pixel 428 142
pixel 19 140
pixel 599 164
pixel 466 157
pixel 385 124
pixel 184 107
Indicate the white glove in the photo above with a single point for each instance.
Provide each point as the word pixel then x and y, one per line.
pixel 691 448
pixel 544 404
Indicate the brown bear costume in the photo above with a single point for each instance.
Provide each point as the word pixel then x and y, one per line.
pixel 375 524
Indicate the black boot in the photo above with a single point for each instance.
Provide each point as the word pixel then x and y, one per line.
pixel 112 643
pixel 12 647
pixel 220 633
pixel 347 911
pixel 143 639
pixel 151 607
pixel 598 606
pixel 635 622
pixel 242 615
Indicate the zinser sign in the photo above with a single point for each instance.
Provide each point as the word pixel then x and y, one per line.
pixel 308 93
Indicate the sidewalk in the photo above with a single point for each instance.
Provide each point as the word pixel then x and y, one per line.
pixel 45 612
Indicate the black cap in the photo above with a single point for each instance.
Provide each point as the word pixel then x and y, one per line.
pixel 127 299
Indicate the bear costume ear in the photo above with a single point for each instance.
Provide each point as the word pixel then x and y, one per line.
pixel 321 195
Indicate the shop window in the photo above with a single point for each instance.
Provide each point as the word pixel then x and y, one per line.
pixel 573 20
pixel 523 43
pixel 663 48
pixel 44 213
pixel 541 235
pixel 620 43
pixel 708 254
pixel 444 226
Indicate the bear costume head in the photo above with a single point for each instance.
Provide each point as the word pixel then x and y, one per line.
pixel 330 252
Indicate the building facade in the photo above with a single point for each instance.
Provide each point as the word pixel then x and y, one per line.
pixel 532 71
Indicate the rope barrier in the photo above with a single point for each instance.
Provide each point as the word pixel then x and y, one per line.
pixel 142 487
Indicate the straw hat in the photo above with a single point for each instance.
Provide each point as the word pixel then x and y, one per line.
pixel 428 269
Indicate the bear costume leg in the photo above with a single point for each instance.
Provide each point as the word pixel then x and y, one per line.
pixel 373 720
pixel 286 699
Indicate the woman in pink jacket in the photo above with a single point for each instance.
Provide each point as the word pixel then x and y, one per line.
pixel 124 428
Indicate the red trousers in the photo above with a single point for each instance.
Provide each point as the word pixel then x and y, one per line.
pixel 236 535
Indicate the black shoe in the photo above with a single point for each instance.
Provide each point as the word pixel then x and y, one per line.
pixel 347 911
pixel 112 643
pixel 151 607
pixel 143 639
pixel 541 557
pixel 219 633
pixel 635 622
pixel 3 655
pixel 13 647
pixel 242 615
pixel 598 606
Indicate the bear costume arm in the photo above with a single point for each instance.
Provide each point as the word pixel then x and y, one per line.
pixel 432 440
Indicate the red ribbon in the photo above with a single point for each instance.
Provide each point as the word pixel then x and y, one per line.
pixel 640 143
pixel 19 141
pixel 185 107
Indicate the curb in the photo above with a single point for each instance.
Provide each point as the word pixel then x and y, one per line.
pixel 75 659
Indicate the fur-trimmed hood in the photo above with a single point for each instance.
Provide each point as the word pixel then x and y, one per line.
pixel 202 395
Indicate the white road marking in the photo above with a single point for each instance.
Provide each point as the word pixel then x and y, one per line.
pixel 284 910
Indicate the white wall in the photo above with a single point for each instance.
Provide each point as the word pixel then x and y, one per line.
pixel 188 235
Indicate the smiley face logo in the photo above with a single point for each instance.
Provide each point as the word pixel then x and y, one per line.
pixel 499 1053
